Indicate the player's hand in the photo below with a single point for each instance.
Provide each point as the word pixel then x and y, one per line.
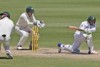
pixel 87 31
pixel 17 28
pixel 40 24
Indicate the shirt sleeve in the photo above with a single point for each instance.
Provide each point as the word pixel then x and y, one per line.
pixel 82 26
pixel 88 29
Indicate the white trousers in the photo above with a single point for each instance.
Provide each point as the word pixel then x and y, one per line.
pixel 6 43
pixel 24 35
pixel 78 39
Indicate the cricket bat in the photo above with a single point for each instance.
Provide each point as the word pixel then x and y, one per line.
pixel 74 28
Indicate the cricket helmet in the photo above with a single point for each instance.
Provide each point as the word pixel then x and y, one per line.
pixel 29 9
pixel 91 18
pixel 6 14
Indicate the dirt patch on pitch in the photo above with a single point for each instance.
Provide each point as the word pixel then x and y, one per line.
pixel 52 52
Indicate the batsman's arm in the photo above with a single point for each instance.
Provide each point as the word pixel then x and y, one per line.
pixel 87 31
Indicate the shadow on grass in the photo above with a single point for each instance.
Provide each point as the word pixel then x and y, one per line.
pixel 66 53
pixel 5 58
pixel 81 53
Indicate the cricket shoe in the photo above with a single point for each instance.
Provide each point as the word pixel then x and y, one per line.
pixel 19 47
pixel 9 55
pixel 60 46
pixel 92 52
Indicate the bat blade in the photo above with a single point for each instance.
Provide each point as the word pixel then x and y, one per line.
pixel 74 28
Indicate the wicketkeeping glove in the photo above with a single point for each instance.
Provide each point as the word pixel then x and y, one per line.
pixel 40 23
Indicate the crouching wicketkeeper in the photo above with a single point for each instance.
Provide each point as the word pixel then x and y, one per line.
pixel 24 25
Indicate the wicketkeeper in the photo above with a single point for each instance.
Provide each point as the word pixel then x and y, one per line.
pixel 24 25
pixel 6 26
pixel 84 33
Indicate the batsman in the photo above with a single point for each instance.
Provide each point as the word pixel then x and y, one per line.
pixel 83 33
pixel 24 26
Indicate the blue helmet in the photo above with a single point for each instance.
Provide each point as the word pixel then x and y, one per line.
pixel 29 9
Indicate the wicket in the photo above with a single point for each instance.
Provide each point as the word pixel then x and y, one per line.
pixel 35 37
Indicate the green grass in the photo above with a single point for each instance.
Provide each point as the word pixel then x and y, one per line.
pixel 48 62
pixel 57 14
